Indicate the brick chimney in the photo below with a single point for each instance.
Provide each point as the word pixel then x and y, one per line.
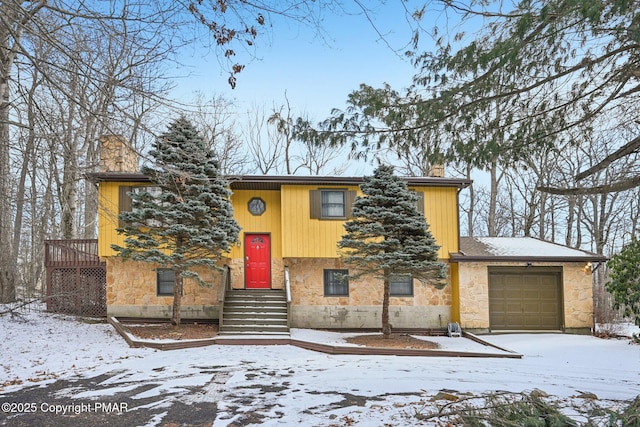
pixel 117 155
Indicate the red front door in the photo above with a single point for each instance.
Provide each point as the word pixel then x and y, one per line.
pixel 257 261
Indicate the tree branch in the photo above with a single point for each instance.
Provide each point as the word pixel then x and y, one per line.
pixel 615 187
pixel 626 150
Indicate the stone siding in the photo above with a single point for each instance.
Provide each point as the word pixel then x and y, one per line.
pixel 576 288
pixel 132 292
pixel 427 308
pixel 117 155
pixel 578 296
pixel 474 295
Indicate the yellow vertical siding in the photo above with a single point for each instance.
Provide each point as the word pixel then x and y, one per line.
pixel 441 212
pixel 287 218
pixel 304 237
pixel 315 238
pixel 268 222
pixel 108 193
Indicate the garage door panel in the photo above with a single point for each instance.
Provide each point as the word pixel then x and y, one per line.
pixel 530 307
pixel 531 321
pixel 525 299
pixel 513 308
pixel 513 293
pixel 549 308
pixel 498 319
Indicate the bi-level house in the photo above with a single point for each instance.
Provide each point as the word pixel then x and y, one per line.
pixel 288 252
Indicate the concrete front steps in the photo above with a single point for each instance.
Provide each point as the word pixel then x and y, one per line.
pixel 254 312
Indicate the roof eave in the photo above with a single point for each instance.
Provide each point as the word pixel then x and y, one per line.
pixel 240 181
pixel 96 177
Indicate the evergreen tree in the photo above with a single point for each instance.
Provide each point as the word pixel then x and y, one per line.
pixel 388 236
pixel 185 220
pixel 624 279
pixel 536 75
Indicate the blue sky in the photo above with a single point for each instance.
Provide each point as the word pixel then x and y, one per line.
pixel 316 74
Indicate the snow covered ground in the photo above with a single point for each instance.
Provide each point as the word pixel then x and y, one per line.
pixel 287 385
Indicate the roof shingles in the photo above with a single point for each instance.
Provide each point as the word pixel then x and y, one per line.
pixel 518 248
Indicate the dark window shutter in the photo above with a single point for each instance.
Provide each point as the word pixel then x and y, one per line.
pixel 124 202
pixel 420 201
pixel 350 197
pixel 315 203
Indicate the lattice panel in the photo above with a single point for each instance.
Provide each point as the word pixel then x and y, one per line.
pixel 79 291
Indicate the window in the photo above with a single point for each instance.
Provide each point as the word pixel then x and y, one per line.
pixel 125 203
pixel 336 283
pixel 420 202
pixel 331 203
pixel 257 206
pixel 165 280
pixel 401 285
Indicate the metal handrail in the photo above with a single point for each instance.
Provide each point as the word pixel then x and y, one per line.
pixel 287 284
pixel 226 284
pixel 287 287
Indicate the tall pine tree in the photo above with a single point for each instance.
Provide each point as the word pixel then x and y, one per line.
pixel 624 279
pixel 184 220
pixel 388 236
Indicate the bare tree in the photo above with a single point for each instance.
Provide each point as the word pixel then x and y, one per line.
pixel 63 96
pixel 468 199
pixel 265 143
pixel 302 154
pixel 100 67
pixel 216 121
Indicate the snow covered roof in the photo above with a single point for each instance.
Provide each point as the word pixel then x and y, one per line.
pixel 519 249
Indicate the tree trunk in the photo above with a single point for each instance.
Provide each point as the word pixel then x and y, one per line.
pixel 493 201
pixel 386 326
pixel 472 202
pixel 571 214
pixel 542 213
pixel 7 266
pixel 177 299
pixel 90 193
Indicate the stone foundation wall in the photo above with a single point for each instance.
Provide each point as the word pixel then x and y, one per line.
pixel 474 295
pixel 132 292
pixel 427 308
pixel 368 317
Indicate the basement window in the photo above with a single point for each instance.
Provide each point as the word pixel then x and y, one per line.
pixel 401 285
pixel 165 280
pixel 336 283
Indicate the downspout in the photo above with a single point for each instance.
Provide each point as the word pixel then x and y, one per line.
pixel 454 272
pixel 455 292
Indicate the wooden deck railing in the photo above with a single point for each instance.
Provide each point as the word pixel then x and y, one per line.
pixel 71 253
